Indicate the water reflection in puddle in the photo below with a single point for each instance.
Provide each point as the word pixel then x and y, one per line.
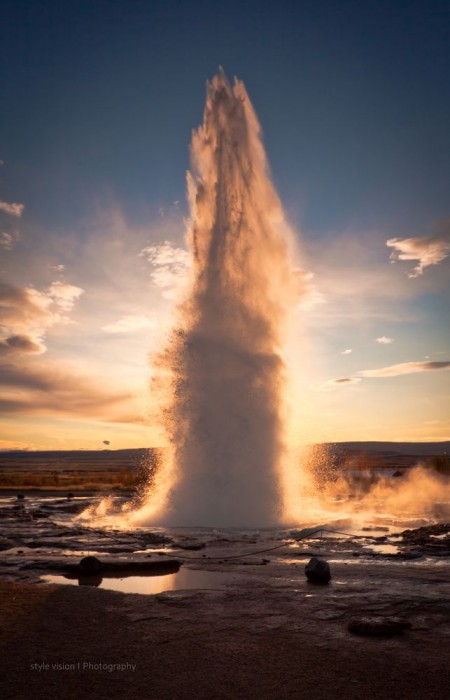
pixel 185 579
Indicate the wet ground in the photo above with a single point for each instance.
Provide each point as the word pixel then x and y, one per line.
pixel 225 613
pixel 42 541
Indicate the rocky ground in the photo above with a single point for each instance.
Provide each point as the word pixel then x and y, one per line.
pixel 379 629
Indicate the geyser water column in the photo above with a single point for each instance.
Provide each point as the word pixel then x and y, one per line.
pixel 224 413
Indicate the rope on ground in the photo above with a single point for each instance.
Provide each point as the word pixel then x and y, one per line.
pixel 269 549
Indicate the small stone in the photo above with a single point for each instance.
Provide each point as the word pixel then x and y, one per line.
pixel 318 571
pixel 90 565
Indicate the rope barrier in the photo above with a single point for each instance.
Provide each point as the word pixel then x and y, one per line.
pixel 269 549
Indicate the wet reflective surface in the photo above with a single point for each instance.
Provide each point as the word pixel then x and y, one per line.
pixel 42 540
pixel 183 580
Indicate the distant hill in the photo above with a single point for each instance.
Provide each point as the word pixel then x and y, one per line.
pixel 402 448
pixel 129 458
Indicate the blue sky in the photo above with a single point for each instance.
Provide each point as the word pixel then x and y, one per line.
pixel 99 102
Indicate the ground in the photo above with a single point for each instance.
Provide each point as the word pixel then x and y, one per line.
pixel 269 637
pixel 254 629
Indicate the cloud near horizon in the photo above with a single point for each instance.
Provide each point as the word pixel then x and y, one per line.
pixel 391 371
pixel 332 384
pixel 404 368
pixel 427 250
pixel 56 390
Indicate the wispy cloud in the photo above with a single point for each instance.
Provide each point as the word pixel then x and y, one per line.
pixel 170 267
pixel 404 368
pixel 427 250
pixel 347 352
pixel 384 340
pixel 60 390
pixel 12 208
pixel 307 293
pixel 8 239
pixel 130 324
pixel 332 384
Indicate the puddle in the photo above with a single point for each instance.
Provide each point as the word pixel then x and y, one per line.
pixel 382 548
pixel 184 579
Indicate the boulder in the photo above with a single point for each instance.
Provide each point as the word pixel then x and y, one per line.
pixel 318 571
pixel 90 565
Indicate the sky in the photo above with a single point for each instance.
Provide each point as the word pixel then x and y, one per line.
pixel 100 98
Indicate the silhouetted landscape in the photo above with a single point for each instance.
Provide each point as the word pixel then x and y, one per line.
pixel 125 469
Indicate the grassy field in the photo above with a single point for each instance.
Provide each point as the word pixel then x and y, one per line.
pixel 77 470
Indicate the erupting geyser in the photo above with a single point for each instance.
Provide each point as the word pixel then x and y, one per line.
pixel 221 375
pixel 224 417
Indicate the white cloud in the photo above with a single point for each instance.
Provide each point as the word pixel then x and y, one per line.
pixel 170 265
pixel 384 340
pixel 129 324
pixel 427 250
pixel 64 295
pixel 347 352
pixel 12 208
pixel 404 368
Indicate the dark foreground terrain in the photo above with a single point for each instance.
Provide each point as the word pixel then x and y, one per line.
pixel 252 628
pixel 266 638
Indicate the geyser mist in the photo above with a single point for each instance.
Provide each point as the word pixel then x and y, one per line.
pixel 220 379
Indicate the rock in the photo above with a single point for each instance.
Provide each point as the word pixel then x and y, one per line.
pixel 318 571
pixel 90 565
pixel 378 626
pixel 193 546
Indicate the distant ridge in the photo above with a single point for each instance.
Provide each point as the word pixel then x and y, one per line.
pixel 405 448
